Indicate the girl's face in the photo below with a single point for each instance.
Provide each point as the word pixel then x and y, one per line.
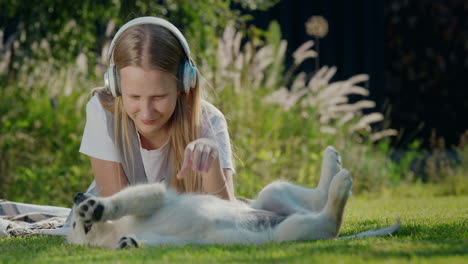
pixel 149 98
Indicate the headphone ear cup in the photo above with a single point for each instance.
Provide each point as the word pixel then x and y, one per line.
pixel 189 75
pixel 116 83
pixel 106 81
pixel 111 82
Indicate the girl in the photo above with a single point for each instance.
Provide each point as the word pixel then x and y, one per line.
pixel 149 123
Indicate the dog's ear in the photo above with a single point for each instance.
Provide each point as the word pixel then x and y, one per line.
pixel 79 197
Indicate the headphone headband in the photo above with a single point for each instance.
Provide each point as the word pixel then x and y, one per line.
pixel 154 21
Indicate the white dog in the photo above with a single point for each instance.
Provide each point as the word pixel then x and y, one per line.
pixel 151 214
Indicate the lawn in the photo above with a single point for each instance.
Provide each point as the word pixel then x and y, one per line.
pixel 434 230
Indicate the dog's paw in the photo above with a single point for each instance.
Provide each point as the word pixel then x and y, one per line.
pixel 91 210
pixel 344 184
pixel 128 242
pixel 331 165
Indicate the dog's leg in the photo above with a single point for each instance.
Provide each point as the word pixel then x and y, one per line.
pixel 331 165
pixel 283 198
pixel 286 198
pixel 316 199
pixel 340 190
pixel 310 226
pixel 323 225
pixel 136 200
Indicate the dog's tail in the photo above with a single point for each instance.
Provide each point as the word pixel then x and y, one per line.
pixel 376 233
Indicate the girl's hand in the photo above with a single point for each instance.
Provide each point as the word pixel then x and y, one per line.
pixel 200 155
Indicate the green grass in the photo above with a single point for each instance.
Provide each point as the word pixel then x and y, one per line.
pixel 434 230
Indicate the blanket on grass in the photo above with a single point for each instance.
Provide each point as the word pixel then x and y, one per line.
pixel 20 219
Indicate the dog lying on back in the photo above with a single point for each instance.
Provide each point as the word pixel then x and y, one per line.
pixel 150 214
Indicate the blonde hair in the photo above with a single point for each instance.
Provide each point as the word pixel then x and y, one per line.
pixel 154 47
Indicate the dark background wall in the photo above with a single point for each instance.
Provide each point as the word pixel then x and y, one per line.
pixel 426 68
pixel 414 51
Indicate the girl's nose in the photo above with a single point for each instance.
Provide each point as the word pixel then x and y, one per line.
pixel 147 110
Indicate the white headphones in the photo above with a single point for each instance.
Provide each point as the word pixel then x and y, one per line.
pixel 189 74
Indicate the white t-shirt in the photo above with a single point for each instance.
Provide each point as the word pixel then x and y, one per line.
pixel 97 143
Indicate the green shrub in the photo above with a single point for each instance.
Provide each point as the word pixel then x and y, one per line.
pixel 40 137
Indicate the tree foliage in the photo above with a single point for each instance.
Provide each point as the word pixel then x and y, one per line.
pixel 61 30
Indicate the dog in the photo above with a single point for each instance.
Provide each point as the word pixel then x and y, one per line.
pixel 152 214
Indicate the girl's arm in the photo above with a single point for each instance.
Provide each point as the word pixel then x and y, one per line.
pixel 219 181
pixel 110 176
pixel 202 155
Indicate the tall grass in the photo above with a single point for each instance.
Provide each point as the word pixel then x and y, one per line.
pixel 281 121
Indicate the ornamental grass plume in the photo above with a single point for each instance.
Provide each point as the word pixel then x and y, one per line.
pixel 234 61
pixel 281 119
pixel 257 65
pixel 330 101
